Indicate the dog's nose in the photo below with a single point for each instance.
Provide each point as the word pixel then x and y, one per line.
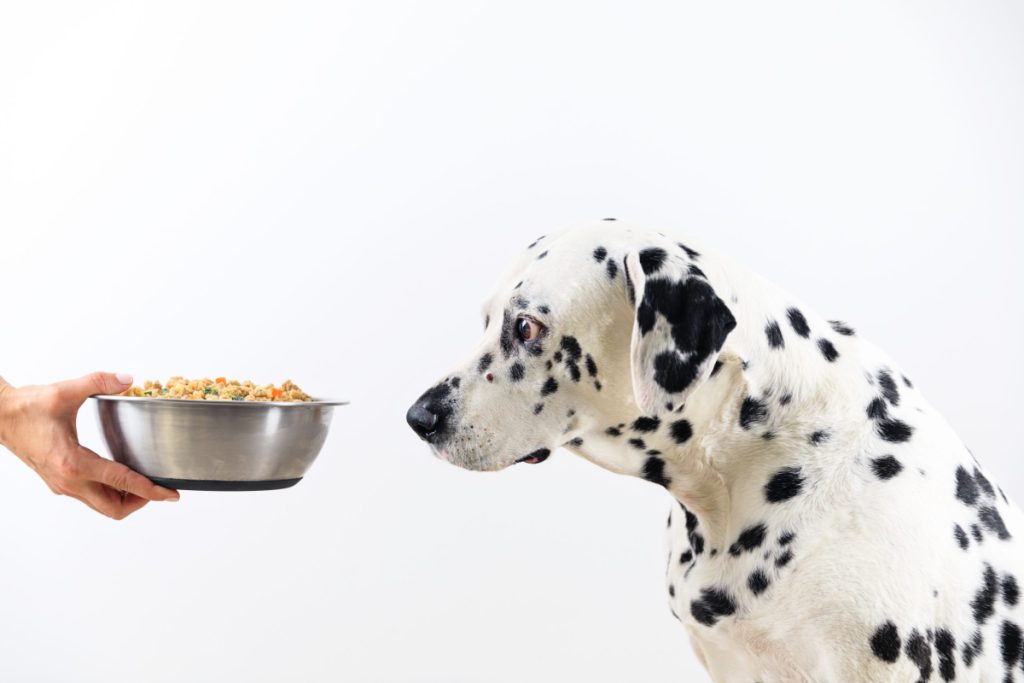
pixel 422 420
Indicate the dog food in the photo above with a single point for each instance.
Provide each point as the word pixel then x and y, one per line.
pixel 219 389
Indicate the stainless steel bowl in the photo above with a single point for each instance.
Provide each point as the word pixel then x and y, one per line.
pixel 215 445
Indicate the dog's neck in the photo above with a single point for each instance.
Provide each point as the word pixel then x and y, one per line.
pixel 715 453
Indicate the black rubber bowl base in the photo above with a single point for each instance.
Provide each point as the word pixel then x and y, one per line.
pixel 214 485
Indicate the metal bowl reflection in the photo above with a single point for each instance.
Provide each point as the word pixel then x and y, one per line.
pixel 215 445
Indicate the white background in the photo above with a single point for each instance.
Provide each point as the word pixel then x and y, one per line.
pixel 325 192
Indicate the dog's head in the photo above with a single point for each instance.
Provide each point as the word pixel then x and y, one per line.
pixel 597 322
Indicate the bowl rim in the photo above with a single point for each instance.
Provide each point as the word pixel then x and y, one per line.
pixel 318 402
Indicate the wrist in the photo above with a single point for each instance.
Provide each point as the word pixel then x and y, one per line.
pixel 5 419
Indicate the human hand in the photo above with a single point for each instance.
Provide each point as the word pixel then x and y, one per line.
pixel 38 424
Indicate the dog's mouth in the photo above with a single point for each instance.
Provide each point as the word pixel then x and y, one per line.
pixel 537 457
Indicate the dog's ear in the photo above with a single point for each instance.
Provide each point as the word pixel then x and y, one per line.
pixel 679 328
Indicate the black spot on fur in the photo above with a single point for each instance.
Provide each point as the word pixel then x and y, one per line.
pixel 591 366
pixel 877 409
pixel 784 484
pixel 961 536
pixel 752 411
pixel 681 431
pixel 966 487
pixel 750 538
pixel 819 437
pixel 600 253
pixel 712 604
pixel 828 350
pixel 841 328
pixel 920 653
pixel 786 538
pixel 654 471
pixel 1009 644
pixel 646 424
pixel 542 255
pixel 757 582
pixel 544 308
pixel 983 483
pixel 574 370
pixel 889 389
pixel 893 430
pixel 537 408
pixel 697 543
pixel 637 443
pixel 689 252
pixel 550 387
pixel 516 371
pixel 784 559
pixel 571 348
pixel 691 520
pixel 611 268
pixel 576 443
pixel 507 340
pixel 485 362
pixel 971 649
pixel 1010 591
pixel 976 532
pixel 885 642
pixel 993 521
pixel 945 646
pixel 613 431
pixel 785 399
pixel 774 334
pixel 983 604
pixel 798 322
pixel 886 467
pixel 673 373
pixel 685 557
pixel 652 259
pixel 630 289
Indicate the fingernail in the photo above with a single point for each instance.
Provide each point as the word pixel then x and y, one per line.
pixel 123 378
pixel 172 498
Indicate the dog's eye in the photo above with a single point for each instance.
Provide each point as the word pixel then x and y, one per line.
pixel 528 330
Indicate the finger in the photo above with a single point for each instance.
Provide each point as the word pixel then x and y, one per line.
pixel 131 503
pixel 120 478
pixel 121 501
pixel 106 501
pixel 100 498
pixel 95 383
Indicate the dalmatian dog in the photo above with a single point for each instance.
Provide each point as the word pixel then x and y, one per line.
pixel 827 523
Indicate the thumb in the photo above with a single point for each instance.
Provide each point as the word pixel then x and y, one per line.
pixel 96 383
